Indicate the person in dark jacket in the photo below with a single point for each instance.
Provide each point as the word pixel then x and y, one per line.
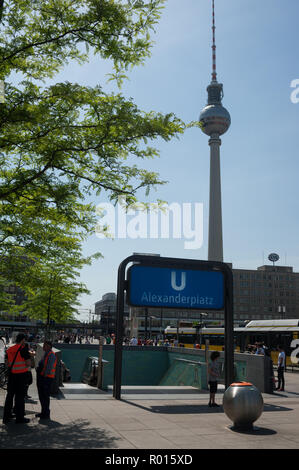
pixel 18 360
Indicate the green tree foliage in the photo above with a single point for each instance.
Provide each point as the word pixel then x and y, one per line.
pixel 64 142
pixel 51 284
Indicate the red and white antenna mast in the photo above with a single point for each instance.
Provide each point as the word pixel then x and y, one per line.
pixel 214 74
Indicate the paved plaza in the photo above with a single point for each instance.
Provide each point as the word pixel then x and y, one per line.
pixel 175 418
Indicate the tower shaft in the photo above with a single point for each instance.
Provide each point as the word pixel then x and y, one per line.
pixel 215 251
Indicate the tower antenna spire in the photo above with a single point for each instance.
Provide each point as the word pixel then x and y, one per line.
pixel 214 74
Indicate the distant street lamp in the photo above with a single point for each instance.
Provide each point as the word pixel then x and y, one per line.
pixel 200 326
pixel 48 333
pixel 145 322
pixel 107 319
pixel 161 323
pixel 150 324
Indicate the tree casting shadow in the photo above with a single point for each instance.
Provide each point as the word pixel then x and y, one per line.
pixel 53 435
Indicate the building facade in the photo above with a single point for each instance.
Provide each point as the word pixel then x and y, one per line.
pixel 106 310
pixel 270 292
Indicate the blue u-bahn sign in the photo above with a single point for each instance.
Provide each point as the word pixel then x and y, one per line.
pixel 151 286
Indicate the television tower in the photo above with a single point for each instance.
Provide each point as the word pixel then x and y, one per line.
pixel 215 121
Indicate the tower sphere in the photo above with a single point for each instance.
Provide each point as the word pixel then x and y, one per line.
pixel 214 119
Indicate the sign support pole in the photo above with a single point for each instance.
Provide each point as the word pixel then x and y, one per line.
pixel 229 329
pixel 119 328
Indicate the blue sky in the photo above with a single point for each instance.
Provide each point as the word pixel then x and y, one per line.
pixel 257 59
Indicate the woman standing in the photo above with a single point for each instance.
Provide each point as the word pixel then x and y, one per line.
pixel 214 373
pixel 280 368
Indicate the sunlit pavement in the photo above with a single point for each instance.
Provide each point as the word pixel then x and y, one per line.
pixel 83 417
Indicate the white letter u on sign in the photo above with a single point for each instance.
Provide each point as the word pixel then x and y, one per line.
pixel 173 281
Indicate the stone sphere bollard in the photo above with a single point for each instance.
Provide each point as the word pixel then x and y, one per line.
pixel 243 404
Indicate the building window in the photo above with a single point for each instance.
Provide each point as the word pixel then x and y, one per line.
pixel 244 291
pixel 244 276
pixel 244 284
pixel 243 308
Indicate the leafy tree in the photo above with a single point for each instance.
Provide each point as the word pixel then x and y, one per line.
pixel 52 287
pixel 64 142
pixel 7 300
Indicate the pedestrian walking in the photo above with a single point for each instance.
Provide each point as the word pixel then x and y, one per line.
pixel 214 374
pixel 18 361
pixel 45 374
pixel 280 368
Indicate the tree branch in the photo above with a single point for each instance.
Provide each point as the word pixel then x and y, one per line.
pixel 22 184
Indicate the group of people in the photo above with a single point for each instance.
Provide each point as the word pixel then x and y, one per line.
pixel 19 361
pixel 147 342
pixel 260 348
pixel 72 338
pixel 257 348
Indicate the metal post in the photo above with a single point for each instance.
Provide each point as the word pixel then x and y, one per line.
pixel 151 318
pixel 108 315
pixel 119 330
pixel 207 347
pixel 145 323
pixel 229 328
pixel 100 364
pixel 200 335
pixel 47 335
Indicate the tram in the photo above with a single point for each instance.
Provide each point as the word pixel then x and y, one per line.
pixel 269 332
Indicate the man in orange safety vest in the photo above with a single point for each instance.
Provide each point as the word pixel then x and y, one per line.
pixel 18 361
pixel 45 375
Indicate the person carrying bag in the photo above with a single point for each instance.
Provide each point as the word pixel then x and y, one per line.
pixel 5 372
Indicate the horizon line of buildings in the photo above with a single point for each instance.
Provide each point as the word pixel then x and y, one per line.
pixel 268 292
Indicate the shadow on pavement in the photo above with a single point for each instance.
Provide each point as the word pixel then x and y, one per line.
pixel 186 409
pixel 177 409
pixel 53 435
pixel 195 409
pixel 270 407
pixel 255 431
